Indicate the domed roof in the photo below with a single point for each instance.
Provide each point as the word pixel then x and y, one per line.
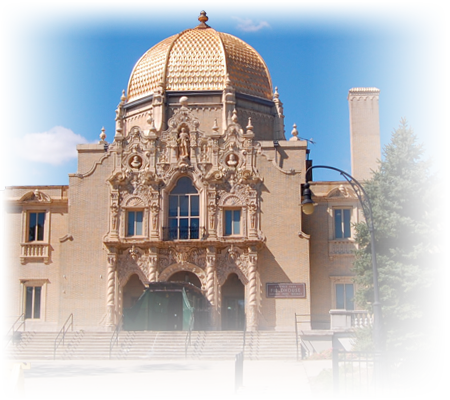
pixel 200 59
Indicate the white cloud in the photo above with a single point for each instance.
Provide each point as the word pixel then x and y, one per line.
pixel 247 25
pixel 55 147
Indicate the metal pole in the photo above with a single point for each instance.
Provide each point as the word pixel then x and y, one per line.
pixel 381 376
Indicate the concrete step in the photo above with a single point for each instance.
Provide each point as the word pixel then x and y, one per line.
pixel 147 344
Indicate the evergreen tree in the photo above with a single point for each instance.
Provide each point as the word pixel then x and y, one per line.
pixel 402 197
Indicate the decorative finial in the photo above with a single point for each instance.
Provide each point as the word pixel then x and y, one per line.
pixel 249 126
pixel 123 97
pixel 184 101
pixel 203 18
pixel 294 133
pixel 103 134
pixel 234 118
pixel 227 80
pixel 276 94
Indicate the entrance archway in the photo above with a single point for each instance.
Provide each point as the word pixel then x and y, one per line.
pixel 132 290
pixel 233 304
pixel 186 276
pixel 201 306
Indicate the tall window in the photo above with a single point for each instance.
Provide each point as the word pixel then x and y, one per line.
pixel 184 211
pixel 232 222
pixel 33 302
pixel 342 221
pixel 345 296
pixel 36 222
pixel 134 223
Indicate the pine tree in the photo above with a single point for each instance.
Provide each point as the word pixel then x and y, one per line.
pixel 402 197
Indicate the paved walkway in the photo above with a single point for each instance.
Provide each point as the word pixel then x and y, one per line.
pixel 177 379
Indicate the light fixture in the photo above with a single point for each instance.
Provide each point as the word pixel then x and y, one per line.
pixel 307 203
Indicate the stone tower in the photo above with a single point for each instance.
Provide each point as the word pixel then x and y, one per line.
pixel 364 131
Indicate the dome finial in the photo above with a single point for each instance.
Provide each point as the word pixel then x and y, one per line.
pixel 203 18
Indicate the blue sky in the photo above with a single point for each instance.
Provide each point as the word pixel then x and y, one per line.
pixel 67 66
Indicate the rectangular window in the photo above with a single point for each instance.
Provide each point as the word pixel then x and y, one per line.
pixel 135 222
pixel 36 222
pixel 345 296
pixel 232 222
pixel 342 221
pixel 33 302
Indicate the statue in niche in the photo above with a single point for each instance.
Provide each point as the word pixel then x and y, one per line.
pixel 136 162
pixel 183 146
pixel 232 160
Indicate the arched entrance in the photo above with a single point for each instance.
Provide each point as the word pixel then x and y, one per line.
pixel 186 276
pixel 233 304
pixel 131 292
pixel 200 304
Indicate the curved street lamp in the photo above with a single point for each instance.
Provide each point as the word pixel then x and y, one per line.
pixel 308 208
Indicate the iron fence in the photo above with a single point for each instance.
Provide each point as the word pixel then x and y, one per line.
pixel 416 375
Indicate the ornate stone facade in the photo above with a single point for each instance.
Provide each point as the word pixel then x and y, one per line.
pixel 197 184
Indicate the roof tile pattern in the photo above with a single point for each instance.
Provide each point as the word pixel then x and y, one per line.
pixel 196 62
pixel 199 59
pixel 246 68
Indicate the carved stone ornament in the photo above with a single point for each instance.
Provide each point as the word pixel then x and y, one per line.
pixel 233 260
pixel 132 261
pixel 36 196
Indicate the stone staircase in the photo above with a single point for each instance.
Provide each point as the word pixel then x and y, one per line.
pixel 135 345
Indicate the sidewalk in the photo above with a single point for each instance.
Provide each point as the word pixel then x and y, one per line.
pixel 172 379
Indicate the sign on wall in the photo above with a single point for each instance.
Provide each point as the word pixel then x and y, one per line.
pixel 286 290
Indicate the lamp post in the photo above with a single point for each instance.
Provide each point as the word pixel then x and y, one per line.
pixel 308 208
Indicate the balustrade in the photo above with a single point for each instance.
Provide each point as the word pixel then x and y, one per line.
pixel 348 319
pixel 341 247
pixel 34 251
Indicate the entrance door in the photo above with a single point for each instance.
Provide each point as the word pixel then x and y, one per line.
pixel 235 314
pixel 233 304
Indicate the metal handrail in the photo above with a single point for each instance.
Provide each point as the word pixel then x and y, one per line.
pixel 187 341
pixel 62 333
pixel 13 330
pixel 115 336
pixel 302 346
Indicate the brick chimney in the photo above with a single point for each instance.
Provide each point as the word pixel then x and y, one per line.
pixel 364 131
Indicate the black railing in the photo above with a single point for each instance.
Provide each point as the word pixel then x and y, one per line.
pixel 187 340
pixel 183 233
pixel 238 371
pixel 302 350
pixel 410 375
pixel 12 332
pixel 115 336
pixel 62 334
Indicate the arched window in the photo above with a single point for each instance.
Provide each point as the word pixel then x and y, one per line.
pixel 184 211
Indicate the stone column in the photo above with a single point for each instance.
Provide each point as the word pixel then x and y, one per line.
pixel 211 294
pixel 111 289
pixel 252 292
pixel 152 266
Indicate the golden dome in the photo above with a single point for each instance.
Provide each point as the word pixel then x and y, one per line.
pixel 200 59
